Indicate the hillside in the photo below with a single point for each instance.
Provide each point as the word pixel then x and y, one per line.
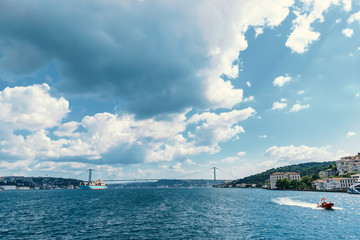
pixel 305 169
pixel 40 182
pixel 167 183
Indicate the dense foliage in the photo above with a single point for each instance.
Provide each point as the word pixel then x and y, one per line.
pixel 305 169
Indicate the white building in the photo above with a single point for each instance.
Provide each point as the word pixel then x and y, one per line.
pixel 8 187
pixel 348 164
pixel 335 184
pixel 280 175
pixel 327 173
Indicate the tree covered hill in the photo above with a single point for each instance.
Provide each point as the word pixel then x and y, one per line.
pixel 305 169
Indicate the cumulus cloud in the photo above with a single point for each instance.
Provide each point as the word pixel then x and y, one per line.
pixel 350 134
pixel 348 32
pixel 281 81
pixel 292 154
pixel 104 138
pixel 297 107
pixel 301 92
pixel 149 55
pixel 248 84
pixel 302 34
pixel 214 128
pixel 31 108
pixel 347 5
pixel 279 105
pixel 354 17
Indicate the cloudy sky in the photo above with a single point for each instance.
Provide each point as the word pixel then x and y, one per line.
pixel 157 89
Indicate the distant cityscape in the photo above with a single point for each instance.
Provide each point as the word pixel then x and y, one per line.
pixel 340 178
pixel 337 177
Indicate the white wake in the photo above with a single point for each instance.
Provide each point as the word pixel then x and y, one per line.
pixel 290 202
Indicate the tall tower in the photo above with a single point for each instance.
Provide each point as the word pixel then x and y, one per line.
pixel 90 173
pixel 214 174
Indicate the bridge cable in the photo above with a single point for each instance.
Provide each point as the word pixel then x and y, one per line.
pixel 227 173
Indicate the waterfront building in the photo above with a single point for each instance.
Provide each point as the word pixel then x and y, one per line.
pixel 331 184
pixel 8 187
pixel 327 173
pixel 335 184
pixel 280 175
pixel 319 185
pixel 348 164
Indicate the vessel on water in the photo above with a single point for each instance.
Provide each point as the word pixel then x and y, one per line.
pixel 355 188
pixel 92 185
pixel 326 205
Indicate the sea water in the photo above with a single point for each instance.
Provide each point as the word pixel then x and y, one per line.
pixel 177 213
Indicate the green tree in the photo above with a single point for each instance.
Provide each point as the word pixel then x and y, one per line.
pixel 306 180
pixel 294 184
pixel 302 185
pixel 283 183
pixel 315 176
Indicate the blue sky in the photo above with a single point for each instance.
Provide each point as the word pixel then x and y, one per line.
pixel 157 89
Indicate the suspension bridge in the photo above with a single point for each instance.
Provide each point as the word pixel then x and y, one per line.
pixel 181 177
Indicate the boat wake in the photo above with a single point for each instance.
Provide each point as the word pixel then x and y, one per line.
pixel 290 202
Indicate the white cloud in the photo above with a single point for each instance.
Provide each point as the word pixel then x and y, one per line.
pixel 347 5
pixel 301 92
pixel 258 31
pixel 248 84
pixel 350 134
pixel 354 17
pixel 215 128
pixel 283 100
pixel 263 136
pixel 241 154
pixel 357 95
pixel 233 159
pixel 281 80
pixel 67 129
pixel 291 154
pixel 303 35
pixel 190 162
pixel 232 20
pixel 279 105
pixel 106 137
pixel 31 108
pixel 230 160
pixel 249 99
pixel 297 107
pixel 348 32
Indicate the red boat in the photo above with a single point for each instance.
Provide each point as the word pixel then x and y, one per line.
pixel 325 205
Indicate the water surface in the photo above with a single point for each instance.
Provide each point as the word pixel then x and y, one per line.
pixel 176 214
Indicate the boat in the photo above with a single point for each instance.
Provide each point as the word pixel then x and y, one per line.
pixel 326 205
pixel 355 188
pixel 92 185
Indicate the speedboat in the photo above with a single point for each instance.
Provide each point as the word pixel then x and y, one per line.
pixel 355 188
pixel 326 205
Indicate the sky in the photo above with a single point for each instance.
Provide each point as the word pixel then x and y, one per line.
pixel 161 89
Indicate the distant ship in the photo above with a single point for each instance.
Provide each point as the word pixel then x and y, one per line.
pixel 96 185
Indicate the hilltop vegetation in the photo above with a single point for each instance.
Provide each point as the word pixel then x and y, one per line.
pixel 305 169
pixel 40 182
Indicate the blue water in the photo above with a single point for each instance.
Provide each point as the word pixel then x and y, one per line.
pixel 176 214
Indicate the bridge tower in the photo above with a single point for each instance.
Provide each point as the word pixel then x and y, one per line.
pixel 90 173
pixel 214 174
